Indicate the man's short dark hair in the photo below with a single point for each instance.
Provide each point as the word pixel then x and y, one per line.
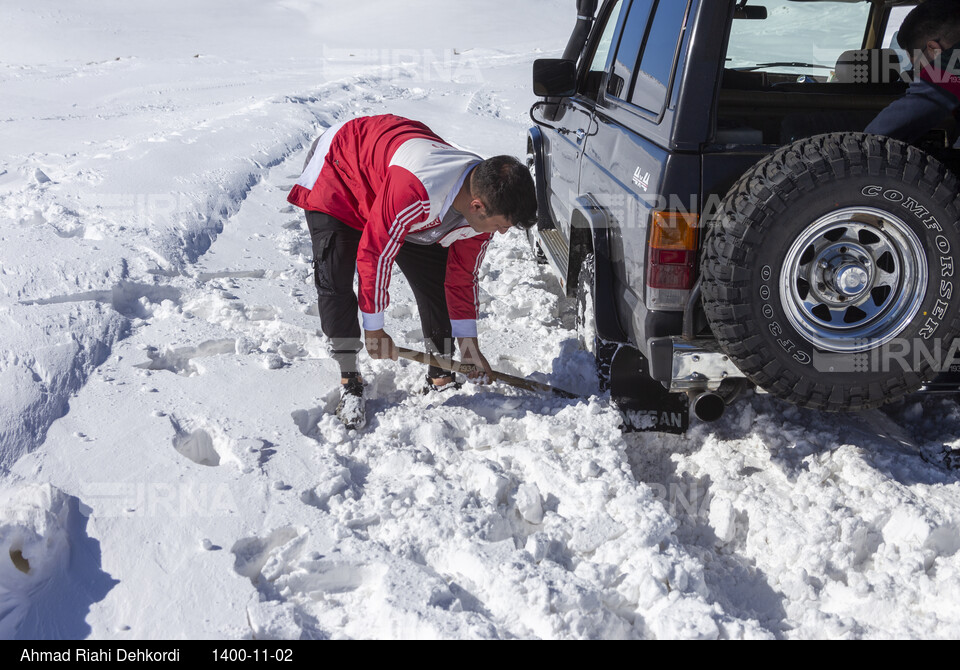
pixel 931 20
pixel 506 187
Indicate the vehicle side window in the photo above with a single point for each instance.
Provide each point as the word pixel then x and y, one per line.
pixel 590 85
pixel 897 15
pixel 634 30
pixel 659 52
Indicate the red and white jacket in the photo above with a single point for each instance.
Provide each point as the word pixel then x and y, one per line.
pixel 395 180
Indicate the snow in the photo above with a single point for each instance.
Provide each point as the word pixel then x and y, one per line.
pixel 170 464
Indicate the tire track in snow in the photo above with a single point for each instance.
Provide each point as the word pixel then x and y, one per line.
pixel 187 227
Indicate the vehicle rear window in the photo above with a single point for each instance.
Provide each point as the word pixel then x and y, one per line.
pixel 802 38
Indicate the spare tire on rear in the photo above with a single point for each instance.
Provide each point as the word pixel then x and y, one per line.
pixel 829 275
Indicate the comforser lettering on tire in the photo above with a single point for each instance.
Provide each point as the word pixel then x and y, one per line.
pixel 907 202
pixel 922 213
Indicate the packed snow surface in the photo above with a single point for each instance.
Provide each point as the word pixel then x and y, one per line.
pixel 171 467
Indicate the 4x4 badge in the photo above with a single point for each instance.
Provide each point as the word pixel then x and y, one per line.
pixel 641 179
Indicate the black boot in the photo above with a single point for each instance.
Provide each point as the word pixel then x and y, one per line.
pixel 352 408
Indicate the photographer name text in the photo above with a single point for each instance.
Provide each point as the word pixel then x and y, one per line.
pixel 119 654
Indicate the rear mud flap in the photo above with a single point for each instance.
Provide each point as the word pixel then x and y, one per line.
pixel 645 404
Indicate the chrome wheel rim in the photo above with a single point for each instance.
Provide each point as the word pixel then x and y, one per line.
pixel 853 280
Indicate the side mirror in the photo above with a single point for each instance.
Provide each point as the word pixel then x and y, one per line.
pixel 554 77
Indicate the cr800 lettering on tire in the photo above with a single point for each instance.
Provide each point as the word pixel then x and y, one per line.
pixel 829 275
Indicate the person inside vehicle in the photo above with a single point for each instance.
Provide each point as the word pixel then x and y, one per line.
pixel 930 34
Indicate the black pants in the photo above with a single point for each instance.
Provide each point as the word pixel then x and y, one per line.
pixel 334 265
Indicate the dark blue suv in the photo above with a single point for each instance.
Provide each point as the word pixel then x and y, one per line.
pixel 707 192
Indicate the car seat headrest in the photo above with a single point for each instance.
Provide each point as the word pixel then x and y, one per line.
pixel 868 66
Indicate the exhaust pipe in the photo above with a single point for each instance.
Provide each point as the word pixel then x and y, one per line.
pixel 707 405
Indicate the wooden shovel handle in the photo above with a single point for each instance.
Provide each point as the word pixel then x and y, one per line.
pixel 451 365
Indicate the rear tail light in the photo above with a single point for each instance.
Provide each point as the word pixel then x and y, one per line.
pixel 673 250
pixel 671 262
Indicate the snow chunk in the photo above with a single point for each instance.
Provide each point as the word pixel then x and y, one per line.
pixel 683 618
pixel 272 361
pixel 906 529
pixel 723 519
pixel 589 536
pixel 528 503
pixel 273 620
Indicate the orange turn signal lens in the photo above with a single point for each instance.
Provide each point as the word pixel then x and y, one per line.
pixel 674 230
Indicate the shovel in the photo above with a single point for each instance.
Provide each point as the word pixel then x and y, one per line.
pixel 451 365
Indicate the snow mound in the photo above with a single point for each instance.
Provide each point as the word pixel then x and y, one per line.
pixel 48 568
